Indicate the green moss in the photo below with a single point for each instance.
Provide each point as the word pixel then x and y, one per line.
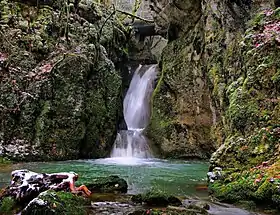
pixel 160 122
pixel 58 203
pixel 110 184
pixel 156 90
pixel 258 19
pixel 242 110
pixel 276 77
pixel 214 76
pixel 7 205
pixel 277 13
pixel 233 192
pixel 4 160
pixel 276 200
pixel 41 123
pixel 248 205
pixel 248 106
pixel 241 188
pixel 70 103
pixel 265 191
pixel 156 198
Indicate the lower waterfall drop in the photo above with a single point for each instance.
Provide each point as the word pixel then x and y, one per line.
pixel 132 142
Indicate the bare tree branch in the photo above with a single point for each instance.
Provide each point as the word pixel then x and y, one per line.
pixel 135 16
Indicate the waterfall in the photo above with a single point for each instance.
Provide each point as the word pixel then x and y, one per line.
pixel 132 142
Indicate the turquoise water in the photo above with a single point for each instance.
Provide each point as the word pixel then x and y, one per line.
pixel 174 177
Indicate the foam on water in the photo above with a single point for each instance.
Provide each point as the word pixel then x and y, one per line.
pixel 129 161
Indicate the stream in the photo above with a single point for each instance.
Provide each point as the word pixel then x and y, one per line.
pixel 186 179
pixel 173 177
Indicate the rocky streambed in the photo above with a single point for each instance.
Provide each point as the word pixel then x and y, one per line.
pixel 36 193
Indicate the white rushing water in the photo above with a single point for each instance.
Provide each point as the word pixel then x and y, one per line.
pixel 132 142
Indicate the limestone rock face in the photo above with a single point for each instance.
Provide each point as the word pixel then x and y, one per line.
pixel 218 85
pixel 242 76
pixel 175 17
pixel 245 93
pixel 234 49
pixel 60 97
pixel 182 115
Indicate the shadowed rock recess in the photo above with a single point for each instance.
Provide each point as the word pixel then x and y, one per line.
pixel 219 89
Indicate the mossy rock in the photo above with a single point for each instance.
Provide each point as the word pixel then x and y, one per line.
pixel 241 188
pixel 276 200
pixel 197 204
pixel 248 205
pixel 181 117
pixel 156 198
pixel 53 203
pixel 110 184
pixel 265 192
pixel 232 192
pixel 70 103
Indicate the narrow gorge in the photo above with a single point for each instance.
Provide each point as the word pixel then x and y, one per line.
pixel 161 107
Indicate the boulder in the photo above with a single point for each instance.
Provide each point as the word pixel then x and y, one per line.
pixel 51 202
pixel 189 203
pixel 106 207
pixel 156 198
pixel 216 174
pixel 182 117
pixel 110 184
pixel 26 185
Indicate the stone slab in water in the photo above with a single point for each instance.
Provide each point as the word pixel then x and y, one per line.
pixel 108 185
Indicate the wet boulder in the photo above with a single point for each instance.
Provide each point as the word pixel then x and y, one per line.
pixel 190 203
pixel 111 208
pixel 110 184
pixel 216 174
pixel 27 185
pixel 156 198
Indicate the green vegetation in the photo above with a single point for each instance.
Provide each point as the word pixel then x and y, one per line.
pixel 4 161
pixel 248 186
pixel 7 206
pixel 57 203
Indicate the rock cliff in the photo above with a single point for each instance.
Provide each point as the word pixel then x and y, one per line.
pixel 61 83
pixel 219 89
pixel 182 113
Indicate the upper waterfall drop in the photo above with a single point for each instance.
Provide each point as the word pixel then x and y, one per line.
pixel 137 99
pixel 132 142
